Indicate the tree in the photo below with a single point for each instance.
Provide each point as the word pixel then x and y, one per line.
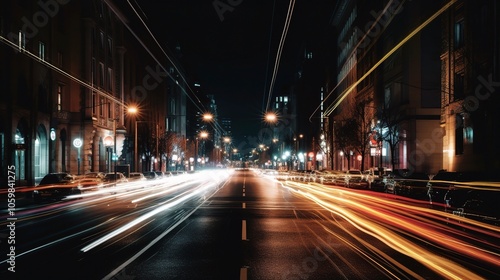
pixel 345 133
pixel 362 116
pixel 390 120
pixel 169 144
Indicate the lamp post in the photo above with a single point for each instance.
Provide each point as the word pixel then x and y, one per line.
pixel 114 154
pixel 226 141
pixel 202 135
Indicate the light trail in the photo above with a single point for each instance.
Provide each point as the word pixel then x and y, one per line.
pixel 344 94
pixel 400 225
pixel 280 50
pixel 354 49
pixel 188 194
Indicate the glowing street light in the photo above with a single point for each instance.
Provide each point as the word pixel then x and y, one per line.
pixel 202 135
pixel 271 117
pixel 208 117
pixel 132 110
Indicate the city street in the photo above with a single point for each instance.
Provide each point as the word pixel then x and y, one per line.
pixel 244 224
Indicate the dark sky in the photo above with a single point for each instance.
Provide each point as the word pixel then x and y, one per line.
pixel 232 52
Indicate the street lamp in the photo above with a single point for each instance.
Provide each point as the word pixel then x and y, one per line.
pixel 202 135
pixel 271 117
pixel 114 154
pixel 208 117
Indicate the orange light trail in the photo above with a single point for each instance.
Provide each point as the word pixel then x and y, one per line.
pixel 397 223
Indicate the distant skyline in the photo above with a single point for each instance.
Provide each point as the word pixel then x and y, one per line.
pixel 231 50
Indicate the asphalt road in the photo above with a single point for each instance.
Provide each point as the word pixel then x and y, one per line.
pixel 243 225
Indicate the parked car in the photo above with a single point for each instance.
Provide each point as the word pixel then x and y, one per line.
pixel 376 178
pixel 161 174
pixel 392 181
pixel 136 176
pixel 56 186
pixel 353 178
pixel 474 203
pixel 151 175
pixel 329 177
pixel 439 185
pixel 112 178
pixel 408 183
pixel 479 201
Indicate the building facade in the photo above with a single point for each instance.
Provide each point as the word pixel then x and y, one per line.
pixel 469 84
pixel 70 71
pixel 385 106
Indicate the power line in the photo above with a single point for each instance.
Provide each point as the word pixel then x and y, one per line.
pixel 280 50
pixel 202 108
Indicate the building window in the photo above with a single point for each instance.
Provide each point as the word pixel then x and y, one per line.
pixel 109 79
pixel 41 51
pixel 458 90
pixel 93 46
pixel 93 70
pixel 22 40
pixel 101 75
pixel 459 134
pixel 387 98
pixel 459 33
pixel 59 59
pixel 109 110
pixel 110 47
pixel 59 97
pixel 101 39
pixel 94 103
pixel 101 109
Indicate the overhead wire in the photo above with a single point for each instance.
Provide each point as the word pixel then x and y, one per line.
pixel 345 93
pixel 280 50
pixel 268 56
pixel 199 106
pixel 353 52
pixel 61 71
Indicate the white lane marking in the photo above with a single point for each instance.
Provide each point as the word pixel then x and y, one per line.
pixel 244 205
pixel 244 183
pixel 244 230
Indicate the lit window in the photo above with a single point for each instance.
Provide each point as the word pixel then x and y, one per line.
pixel 59 97
pixel 94 103
pixel 41 50
pixel 109 110
pixel 459 33
pixel 101 39
pixel 110 47
pixel 22 40
pixel 101 109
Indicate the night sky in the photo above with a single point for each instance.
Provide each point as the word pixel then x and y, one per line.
pixel 232 52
